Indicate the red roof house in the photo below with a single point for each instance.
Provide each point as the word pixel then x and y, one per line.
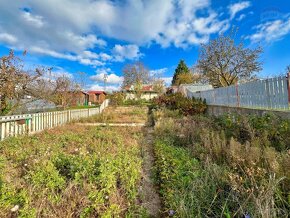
pixel 97 97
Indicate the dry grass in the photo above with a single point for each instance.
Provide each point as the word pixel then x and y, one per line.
pixel 120 114
pixel 234 178
pixel 72 171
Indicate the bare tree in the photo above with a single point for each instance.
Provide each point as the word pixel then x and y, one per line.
pixel 136 75
pixel 65 91
pixel 59 88
pixel 15 83
pixel 159 85
pixel 40 83
pixel 224 63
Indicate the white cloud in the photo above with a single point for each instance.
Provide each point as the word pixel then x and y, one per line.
pixel 52 53
pixel 167 80
pixel 58 71
pixel 35 20
pixel 272 30
pixel 189 28
pixel 43 29
pixel 87 58
pixel 90 62
pixel 98 87
pixel 158 72
pixel 73 29
pixel 237 7
pixel 129 52
pixel 241 17
pixel 105 57
pixel 111 77
pixel 73 23
pixel 7 38
pixel 89 54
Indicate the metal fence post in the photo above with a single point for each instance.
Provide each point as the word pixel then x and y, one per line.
pixel 288 86
pixel 268 93
pixel 237 93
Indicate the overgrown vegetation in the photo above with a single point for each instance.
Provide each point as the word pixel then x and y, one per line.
pixel 118 99
pixel 73 171
pixel 232 166
pixel 178 102
pixel 119 114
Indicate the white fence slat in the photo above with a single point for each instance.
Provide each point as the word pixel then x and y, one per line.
pixel 31 123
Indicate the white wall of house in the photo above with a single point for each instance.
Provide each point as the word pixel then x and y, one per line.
pixel 145 96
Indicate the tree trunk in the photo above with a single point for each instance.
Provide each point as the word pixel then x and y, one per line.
pixel 3 105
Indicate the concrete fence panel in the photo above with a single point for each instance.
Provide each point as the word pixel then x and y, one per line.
pixel 269 94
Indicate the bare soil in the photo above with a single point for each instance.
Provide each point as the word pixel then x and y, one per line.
pixel 150 197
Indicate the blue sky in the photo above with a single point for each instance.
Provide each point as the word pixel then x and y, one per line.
pixel 100 37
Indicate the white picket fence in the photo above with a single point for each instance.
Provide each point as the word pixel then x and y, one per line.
pixel 32 123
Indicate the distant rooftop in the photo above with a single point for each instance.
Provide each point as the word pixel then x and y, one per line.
pixel 97 92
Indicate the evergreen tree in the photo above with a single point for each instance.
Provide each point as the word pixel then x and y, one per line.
pixel 181 69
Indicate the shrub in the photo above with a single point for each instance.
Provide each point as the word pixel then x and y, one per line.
pixel 269 129
pixel 177 101
pixel 117 98
pixel 65 166
pixel 136 102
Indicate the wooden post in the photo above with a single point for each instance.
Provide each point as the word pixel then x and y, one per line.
pixel 2 131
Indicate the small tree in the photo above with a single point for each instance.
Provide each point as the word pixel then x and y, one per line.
pixel 159 86
pixel 184 78
pixel 117 98
pixel 66 90
pixel 288 69
pixel 15 83
pixel 181 69
pixel 60 89
pixel 224 63
pixel 40 83
pixel 136 75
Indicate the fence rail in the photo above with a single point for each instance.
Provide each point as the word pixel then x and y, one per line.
pixel 269 93
pixel 32 123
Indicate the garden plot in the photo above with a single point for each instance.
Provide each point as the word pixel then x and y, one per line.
pixel 120 114
pixel 72 171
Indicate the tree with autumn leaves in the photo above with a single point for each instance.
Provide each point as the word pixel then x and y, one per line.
pixel 182 75
pixel 224 62
pixel 16 83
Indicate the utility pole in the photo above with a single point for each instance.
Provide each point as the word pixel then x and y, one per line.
pixel 105 81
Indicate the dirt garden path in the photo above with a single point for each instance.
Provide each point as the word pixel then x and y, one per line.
pixel 135 117
pixel 151 200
